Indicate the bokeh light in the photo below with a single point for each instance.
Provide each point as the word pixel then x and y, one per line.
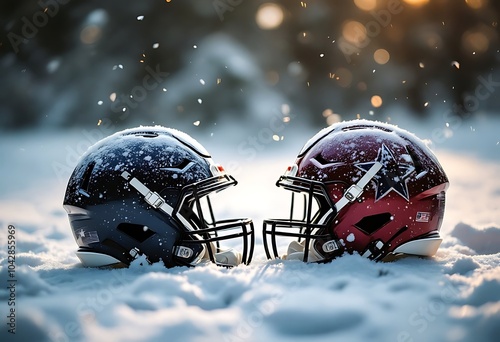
pixel 475 41
pixel 476 4
pixel 343 77
pixel 376 101
pixel 354 32
pixel 366 5
pixel 433 40
pixel 381 56
pixel 416 3
pixel 269 16
pixel 331 117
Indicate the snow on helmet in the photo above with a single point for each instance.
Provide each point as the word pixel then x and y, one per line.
pixel 145 191
pixel 367 187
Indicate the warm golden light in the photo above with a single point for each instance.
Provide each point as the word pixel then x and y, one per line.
pixel 366 5
pixel 269 16
pixel 416 3
pixel 381 56
pixel 354 32
pixel 334 118
pixel 327 112
pixel 331 117
pixel 475 41
pixel 476 4
pixel 376 101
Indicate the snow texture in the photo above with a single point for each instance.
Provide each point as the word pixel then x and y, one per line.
pixel 454 296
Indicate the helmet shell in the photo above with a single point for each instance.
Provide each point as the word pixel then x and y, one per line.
pixel 108 216
pixel 401 188
pixel 408 192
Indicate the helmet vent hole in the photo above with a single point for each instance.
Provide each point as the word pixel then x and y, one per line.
pixel 356 127
pixel 148 135
pixel 84 185
pixel 370 224
pixel 183 164
pixel 321 160
pixel 416 160
pixel 144 134
pixel 137 232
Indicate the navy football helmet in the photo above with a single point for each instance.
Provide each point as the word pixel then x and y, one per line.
pixel 145 191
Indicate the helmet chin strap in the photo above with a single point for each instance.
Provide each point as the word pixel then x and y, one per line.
pixel 296 249
pixel 355 190
pixel 151 197
pixel 227 257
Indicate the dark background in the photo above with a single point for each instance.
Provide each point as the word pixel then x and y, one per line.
pixel 61 61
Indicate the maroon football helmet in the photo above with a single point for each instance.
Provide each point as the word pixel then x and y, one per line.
pixel 366 187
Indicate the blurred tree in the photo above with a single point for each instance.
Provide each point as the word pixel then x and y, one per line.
pixel 74 62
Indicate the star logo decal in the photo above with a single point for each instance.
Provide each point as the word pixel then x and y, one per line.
pixel 393 176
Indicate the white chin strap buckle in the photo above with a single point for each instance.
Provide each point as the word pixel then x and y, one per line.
pixel 353 193
pixel 355 190
pixel 154 199
pixel 151 197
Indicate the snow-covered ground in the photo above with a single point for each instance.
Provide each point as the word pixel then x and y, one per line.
pixel 454 296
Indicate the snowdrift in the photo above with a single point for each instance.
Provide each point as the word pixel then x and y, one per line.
pixel 454 296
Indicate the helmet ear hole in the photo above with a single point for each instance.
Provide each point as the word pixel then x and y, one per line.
pixel 137 232
pixel 372 223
